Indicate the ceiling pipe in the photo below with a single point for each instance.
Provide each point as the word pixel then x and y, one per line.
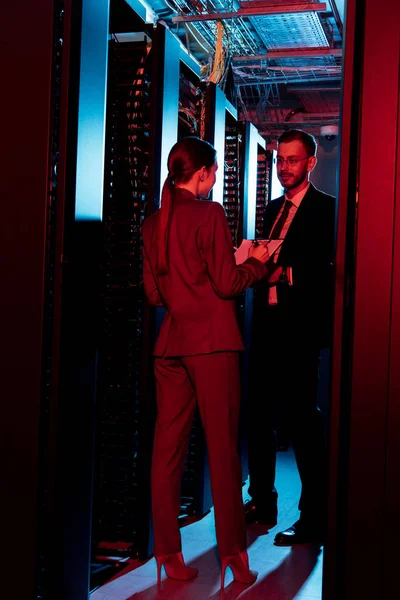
pixel 283 79
pixel 283 68
pixel 277 54
pixel 313 88
pixel 256 11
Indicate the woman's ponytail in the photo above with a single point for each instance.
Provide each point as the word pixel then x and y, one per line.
pixel 167 203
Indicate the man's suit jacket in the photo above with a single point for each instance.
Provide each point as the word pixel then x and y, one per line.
pixel 309 249
pixel 202 279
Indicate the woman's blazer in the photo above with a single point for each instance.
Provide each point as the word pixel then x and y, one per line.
pixel 202 280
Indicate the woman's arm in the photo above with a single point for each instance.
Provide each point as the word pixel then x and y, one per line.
pixel 228 279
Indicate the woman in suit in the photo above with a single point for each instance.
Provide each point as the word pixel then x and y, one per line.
pixel 189 267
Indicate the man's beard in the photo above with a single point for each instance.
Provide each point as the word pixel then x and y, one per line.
pixel 295 183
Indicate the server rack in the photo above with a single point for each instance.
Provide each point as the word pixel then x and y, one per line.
pixel 233 199
pixel 263 188
pixel 176 107
pixel 191 104
pixel 125 406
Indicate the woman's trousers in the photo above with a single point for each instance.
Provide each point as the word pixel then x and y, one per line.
pixel 213 380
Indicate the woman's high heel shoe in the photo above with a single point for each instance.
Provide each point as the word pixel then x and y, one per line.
pixel 175 567
pixel 239 565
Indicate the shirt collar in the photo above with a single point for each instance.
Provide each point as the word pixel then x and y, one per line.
pixel 299 196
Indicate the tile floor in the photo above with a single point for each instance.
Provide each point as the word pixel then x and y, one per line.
pixel 283 573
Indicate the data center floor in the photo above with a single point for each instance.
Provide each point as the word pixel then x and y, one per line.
pixel 284 573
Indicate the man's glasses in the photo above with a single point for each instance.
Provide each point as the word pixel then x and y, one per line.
pixel 292 162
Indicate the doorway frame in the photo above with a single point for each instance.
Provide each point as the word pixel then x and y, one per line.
pixel 364 420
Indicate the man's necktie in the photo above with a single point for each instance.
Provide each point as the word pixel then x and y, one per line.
pixel 276 232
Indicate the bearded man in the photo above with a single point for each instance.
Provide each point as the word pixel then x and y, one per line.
pixel 292 322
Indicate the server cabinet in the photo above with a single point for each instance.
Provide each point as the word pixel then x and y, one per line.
pixel 125 405
pixel 233 198
pixel 191 103
pixel 264 159
pixel 176 103
pixel 218 111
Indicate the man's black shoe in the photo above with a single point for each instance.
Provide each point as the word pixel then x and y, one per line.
pixel 299 533
pixel 257 516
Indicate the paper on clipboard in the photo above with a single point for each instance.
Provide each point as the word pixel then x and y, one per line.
pixel 273 246
pixel 242 253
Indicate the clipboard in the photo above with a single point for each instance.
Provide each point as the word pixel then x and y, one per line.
pixel 242 253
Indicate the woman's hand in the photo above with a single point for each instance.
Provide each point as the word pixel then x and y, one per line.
pixel 259 251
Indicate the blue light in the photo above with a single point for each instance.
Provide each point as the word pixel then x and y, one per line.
pixel 222 105
pixel 174 53
pixel 92 110
pixel 276 186
pixel 253 140
pixel 170 102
